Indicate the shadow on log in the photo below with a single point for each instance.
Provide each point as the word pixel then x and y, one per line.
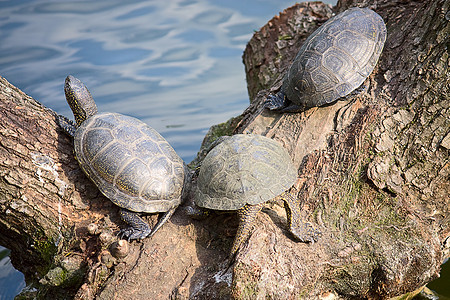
pixel 373 176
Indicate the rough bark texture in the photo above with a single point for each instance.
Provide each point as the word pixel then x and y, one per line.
pixel 374 171
pixel 373 177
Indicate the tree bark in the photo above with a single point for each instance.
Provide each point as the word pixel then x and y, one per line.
pixel 374 170
pixel 374 178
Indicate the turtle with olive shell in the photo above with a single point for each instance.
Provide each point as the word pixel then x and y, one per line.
pixel 130 162
pixel 241 173
pixel 332 62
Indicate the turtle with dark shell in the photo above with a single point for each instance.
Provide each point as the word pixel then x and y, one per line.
pixel 332 62
pixel 130 162
pixel 241 173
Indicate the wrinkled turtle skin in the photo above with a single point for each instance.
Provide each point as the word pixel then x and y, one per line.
pixel 130 162
pixel 243 172
pixel 332 62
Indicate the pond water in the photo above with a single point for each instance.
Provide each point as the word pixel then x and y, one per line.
pixel 175 64
pixel 11 280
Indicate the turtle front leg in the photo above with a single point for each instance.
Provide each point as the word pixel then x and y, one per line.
pixel 66 124
pixel 276 102
pixel 138 229
pixel 303 231
pixel 194 211
pixel 280 103
pixel 247 216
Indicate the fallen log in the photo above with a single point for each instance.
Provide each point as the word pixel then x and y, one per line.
pixel 373 177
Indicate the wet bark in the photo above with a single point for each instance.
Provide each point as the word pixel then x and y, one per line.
pixel 373 177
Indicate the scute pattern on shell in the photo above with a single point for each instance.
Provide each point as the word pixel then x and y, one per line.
pixel 244 169
pixel 336 58
pixel 130 162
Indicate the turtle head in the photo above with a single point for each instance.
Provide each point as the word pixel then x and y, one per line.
pixel 79 99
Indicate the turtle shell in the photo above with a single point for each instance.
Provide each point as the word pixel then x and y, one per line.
pixel 243 169
pixel 130 162
pixel 336 58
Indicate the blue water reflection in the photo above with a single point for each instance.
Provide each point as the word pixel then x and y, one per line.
pixel 137 13
pixel 96 53
pixel 11 281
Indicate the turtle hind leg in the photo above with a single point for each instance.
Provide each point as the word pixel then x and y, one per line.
pixel 247 216
pixel 303 231
pixel 138 229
